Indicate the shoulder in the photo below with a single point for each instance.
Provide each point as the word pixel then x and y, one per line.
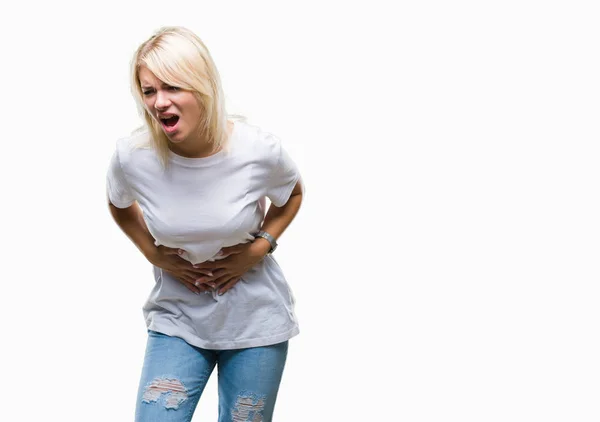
pixel 132 147
pixel 257 142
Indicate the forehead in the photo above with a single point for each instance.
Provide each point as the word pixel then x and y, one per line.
pixel 147 77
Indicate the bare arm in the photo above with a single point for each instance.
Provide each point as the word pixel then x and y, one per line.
pixel 279 218
pixel 131 221
pixel 240 258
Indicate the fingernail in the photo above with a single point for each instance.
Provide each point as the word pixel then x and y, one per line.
pixel 180 251
pixel 196 266
pixel 209 274
pixel 197 283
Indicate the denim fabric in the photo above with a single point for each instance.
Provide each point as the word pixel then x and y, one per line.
pixel 175 374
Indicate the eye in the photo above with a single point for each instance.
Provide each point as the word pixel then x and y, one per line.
pixel 147 92
pixel 173 88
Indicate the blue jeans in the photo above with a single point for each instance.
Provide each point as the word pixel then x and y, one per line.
pixel 175 374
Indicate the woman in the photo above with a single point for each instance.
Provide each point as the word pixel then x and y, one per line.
pixel 189 190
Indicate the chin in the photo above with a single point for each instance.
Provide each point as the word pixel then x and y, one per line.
pixel 176 139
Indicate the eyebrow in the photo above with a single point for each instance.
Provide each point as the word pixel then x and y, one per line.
pixel 150 86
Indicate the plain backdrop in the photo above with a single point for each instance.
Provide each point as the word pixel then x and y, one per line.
pixel 445 259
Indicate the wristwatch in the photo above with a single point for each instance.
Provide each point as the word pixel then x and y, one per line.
pixel 269 238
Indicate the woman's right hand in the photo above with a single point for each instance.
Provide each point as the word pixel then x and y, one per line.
pixel 169 259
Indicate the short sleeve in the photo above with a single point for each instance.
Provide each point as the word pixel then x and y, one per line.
pixel 118 190
pixel 282 173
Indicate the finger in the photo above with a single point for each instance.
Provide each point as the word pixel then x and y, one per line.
pixel 192 287
pixel 191 278
pixel 188 275
pixel 190 283
pixel 228 285
pixel 209 266
pixel 210 277
pixel 200 282
pixel 222 280
pixel 216 273
pixel 188 268
pixel 195 274
pixel 205 273
pixel 203 281
pixel 232 250
pixel 171 251
pixel 202 288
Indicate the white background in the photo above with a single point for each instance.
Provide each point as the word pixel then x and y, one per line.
pixel 445 260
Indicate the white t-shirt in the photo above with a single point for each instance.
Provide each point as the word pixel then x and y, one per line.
pixel 201 205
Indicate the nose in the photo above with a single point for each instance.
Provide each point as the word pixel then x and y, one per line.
pixel 162 101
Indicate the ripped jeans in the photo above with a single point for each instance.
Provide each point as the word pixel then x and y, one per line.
pixel 175 374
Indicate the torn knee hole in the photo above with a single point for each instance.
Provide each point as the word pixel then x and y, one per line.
pixel 248 409
pixel 174 391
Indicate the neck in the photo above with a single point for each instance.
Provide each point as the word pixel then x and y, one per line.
pixel 193 149
pixel 197 147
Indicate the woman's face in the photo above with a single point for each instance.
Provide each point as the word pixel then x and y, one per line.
pixel 176 109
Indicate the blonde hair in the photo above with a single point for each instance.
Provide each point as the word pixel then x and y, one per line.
pixel 178 57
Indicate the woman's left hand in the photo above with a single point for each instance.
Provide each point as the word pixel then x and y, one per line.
pixel 239 259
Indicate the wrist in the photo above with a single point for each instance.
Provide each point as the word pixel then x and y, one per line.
pixel 270 239
pixel 261 247
pixel 150 252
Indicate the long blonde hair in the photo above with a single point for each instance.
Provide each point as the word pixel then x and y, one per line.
pixel 178 57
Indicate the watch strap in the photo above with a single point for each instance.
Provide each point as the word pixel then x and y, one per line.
pixel 269 239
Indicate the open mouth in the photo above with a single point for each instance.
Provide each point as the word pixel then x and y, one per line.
pixel 169 122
